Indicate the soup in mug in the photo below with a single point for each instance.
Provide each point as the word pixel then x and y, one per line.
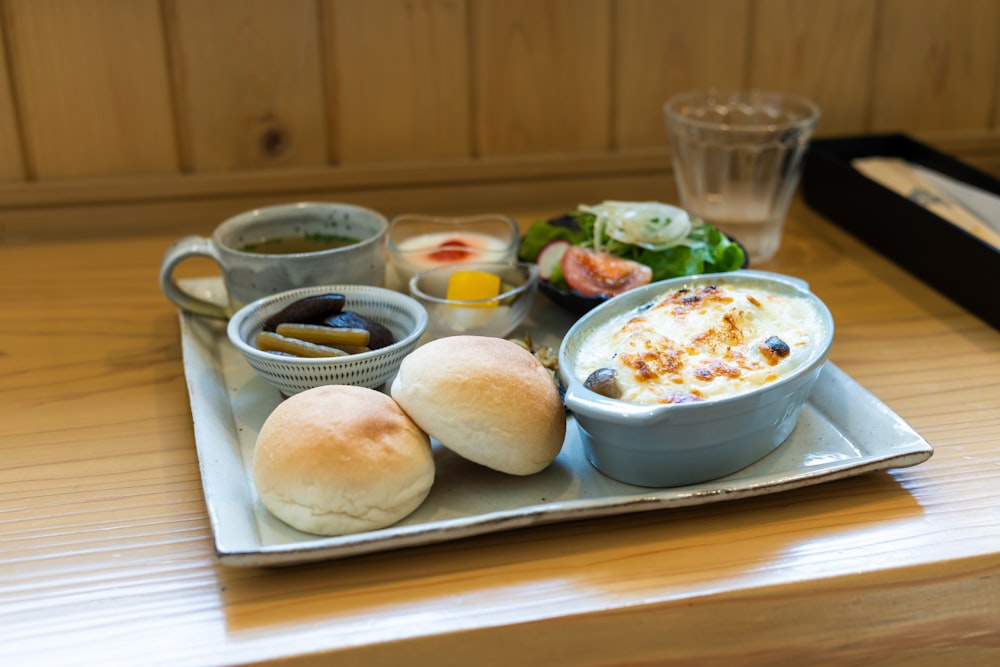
pixel 287 245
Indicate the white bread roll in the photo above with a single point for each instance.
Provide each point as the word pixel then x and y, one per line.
pixel 336 460
pixel 487 399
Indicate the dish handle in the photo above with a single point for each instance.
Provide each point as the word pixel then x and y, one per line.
pixel 582 401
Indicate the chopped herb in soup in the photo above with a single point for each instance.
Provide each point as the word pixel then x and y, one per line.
pixel 287 245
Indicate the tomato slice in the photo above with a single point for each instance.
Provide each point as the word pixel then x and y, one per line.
pixel 594 273
pixel 451 250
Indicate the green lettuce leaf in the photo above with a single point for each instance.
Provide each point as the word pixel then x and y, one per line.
pixel 543 232
pixel 706 250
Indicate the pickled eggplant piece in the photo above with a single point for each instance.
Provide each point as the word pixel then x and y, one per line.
pixel 603 381
pixel 308 310
pixel 379 335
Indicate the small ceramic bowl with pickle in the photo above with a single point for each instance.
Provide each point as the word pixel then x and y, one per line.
pixel 287 338
pixel 477 299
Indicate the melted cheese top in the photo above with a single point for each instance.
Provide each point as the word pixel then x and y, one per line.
pixel 703 343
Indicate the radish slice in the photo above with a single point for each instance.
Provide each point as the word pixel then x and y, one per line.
pixel 550 257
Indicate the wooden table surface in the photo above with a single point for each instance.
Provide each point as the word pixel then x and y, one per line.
pixel 106 552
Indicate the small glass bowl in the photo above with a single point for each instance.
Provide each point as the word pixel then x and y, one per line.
pixel 498 316
pixel 419 242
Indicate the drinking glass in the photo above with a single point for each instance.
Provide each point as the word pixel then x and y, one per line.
pixel 737 158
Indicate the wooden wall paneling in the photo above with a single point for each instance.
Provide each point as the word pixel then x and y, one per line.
pixel 443 105
pixel 11 160
pixel 93 86
pixel 667 46
pixel 542 77
pixel 398 75
pixel 936 65
pixel 249 83
pixel 181 216
pixel 821 49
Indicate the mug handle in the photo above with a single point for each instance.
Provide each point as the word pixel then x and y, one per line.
pixel 189 246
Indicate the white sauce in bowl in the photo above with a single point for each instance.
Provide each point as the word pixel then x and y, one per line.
pixel 703 343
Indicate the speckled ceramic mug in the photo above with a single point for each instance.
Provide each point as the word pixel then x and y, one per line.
pixel 248 250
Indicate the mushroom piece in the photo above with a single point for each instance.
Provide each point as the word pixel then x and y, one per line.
pixel 604 381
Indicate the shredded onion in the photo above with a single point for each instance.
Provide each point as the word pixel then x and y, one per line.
pixel 649 225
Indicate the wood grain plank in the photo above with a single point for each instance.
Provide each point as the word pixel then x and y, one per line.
pixel 542 78
pixel 197 202
pixel 398 72
pixel 106 556
pixel 199 215
pixel 12 166
pixel 821 49
pixel 93 86
pixel 250 90
pixel 469 94
pixel 665 47
pixel 981 149
pixel 936 65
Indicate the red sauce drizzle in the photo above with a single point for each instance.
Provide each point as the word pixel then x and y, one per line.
pixel 451 250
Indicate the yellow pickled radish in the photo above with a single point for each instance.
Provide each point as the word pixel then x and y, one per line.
pixel 473 286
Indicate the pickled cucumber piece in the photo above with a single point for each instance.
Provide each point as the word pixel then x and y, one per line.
pixel 270 341
pixel 324 335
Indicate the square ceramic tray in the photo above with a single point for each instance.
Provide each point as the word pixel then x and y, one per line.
pixel 844 430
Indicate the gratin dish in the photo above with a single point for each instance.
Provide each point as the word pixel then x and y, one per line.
pixel 686 443
pixel 402 315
